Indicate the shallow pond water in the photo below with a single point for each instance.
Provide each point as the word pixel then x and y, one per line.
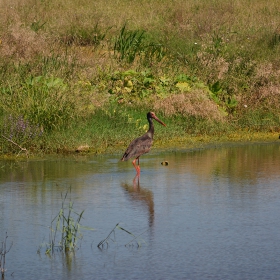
pixel 209 214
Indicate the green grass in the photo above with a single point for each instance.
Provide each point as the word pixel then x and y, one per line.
pixel 75 73
pixel 111 130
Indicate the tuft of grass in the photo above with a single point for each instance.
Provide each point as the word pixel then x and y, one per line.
pixel 65 229
pixel 37 25
pixel 129 44
pixel 138 45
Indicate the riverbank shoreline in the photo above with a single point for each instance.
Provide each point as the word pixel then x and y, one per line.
pixel 159 146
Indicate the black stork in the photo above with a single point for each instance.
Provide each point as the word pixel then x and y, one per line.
pixel 142 144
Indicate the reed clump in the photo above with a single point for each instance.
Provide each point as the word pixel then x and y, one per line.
pixel 65 66
pixel 65 229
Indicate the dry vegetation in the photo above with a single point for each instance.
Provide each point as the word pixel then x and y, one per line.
pixel 215 60
pixel 195 103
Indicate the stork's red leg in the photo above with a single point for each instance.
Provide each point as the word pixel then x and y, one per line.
pixel 137 167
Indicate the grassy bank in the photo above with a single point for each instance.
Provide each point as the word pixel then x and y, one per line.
pixel 79 75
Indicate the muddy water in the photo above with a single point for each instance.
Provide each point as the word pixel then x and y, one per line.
pixel 209 214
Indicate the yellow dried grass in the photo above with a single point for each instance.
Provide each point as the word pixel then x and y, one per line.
pixel 195 103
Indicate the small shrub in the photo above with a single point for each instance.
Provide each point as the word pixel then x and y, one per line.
pixel 221 97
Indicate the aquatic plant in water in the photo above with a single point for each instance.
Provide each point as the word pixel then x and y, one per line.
pixel 3 252
pixel 65 229
pixel 112 238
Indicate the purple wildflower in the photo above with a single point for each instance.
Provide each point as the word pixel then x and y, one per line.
pixel 21 129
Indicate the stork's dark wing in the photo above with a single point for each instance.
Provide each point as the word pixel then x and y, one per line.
pixel 138 147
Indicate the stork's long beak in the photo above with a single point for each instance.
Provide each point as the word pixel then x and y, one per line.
pixel 158 120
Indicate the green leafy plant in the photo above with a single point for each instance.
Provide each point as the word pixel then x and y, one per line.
pixel 131 86
pixel 220 96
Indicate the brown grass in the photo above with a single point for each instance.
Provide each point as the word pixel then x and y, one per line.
pixel 195 103
pixel 21 43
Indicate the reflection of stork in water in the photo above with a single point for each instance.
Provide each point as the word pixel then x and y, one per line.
pixel 145 196
pixel 142 144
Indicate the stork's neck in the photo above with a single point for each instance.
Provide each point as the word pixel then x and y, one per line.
pixel 151 130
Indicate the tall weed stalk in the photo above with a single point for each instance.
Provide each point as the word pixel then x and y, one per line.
pixel 4 250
